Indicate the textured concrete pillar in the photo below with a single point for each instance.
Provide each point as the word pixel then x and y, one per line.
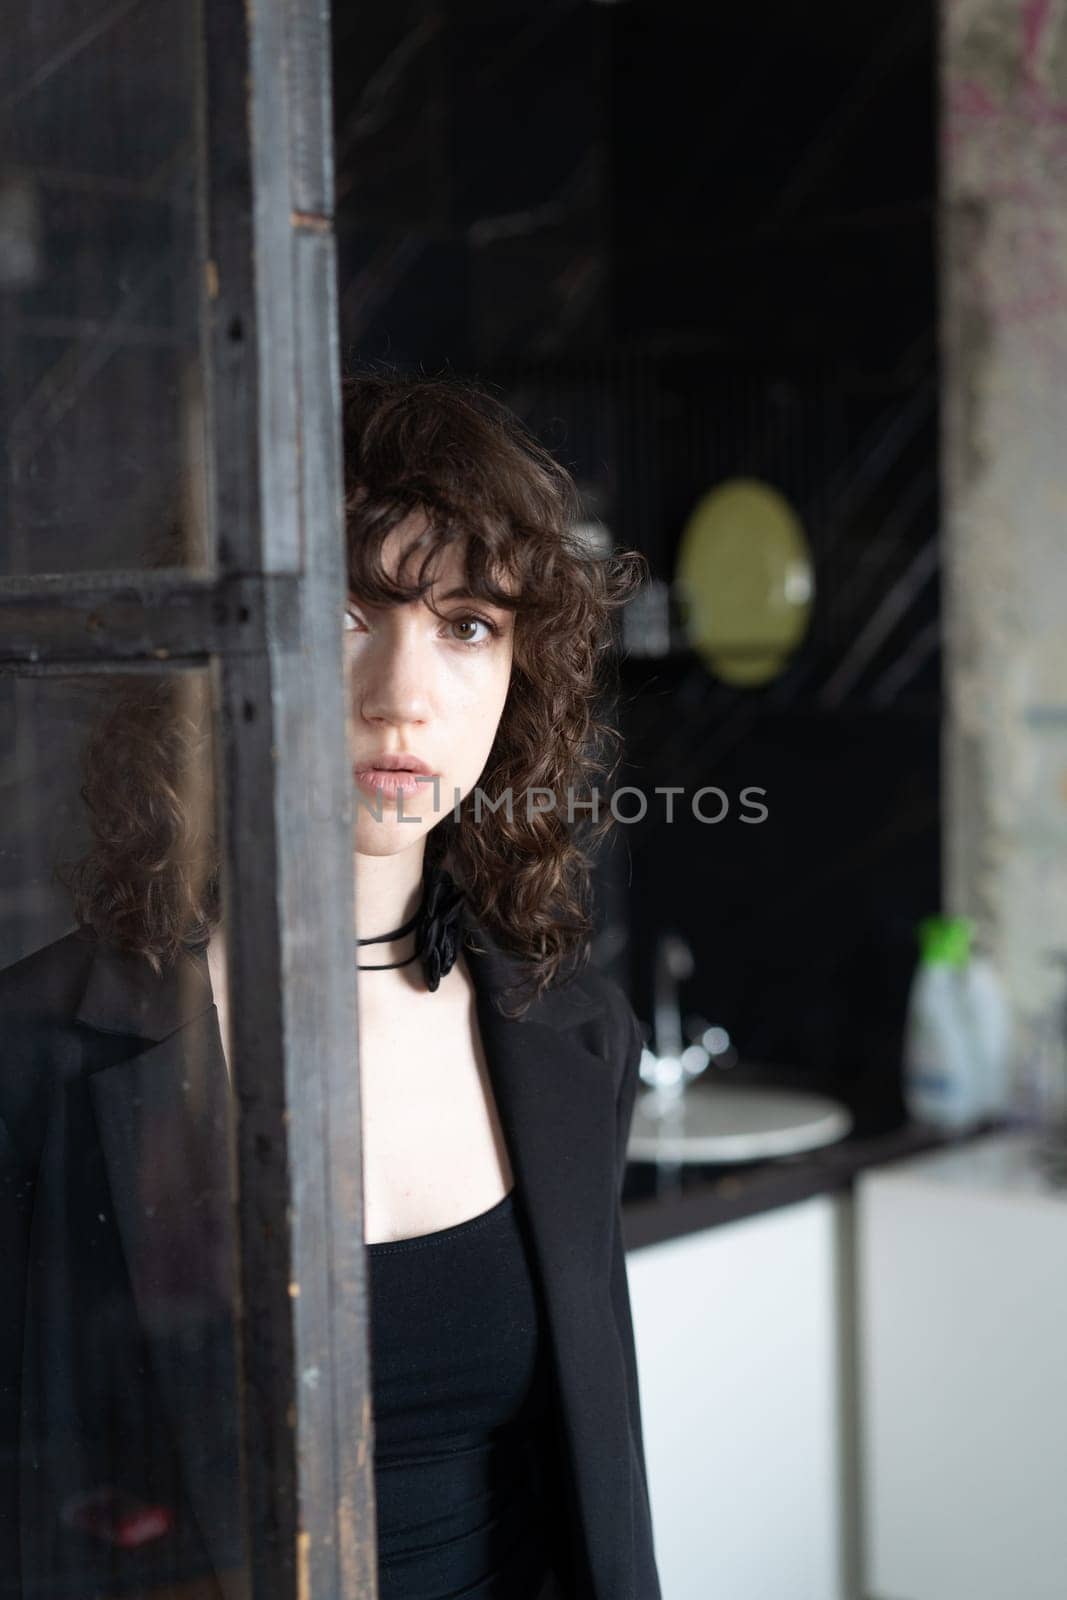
pixel 1004 351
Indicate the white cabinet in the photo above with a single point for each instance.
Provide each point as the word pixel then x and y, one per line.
pixel 738 1349
pixel 962 1263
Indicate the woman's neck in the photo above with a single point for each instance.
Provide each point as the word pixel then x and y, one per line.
pixel 388 892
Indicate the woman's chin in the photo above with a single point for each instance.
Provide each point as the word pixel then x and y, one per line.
pixel 389 838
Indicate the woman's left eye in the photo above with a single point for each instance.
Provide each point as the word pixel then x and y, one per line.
pixel 353 622
pixel 459 622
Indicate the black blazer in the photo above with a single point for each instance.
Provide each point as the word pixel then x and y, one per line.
pixel 116 1362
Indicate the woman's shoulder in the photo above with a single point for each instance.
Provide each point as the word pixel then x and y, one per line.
pixel 48 982
pixel 604 992
pixel 39 998
pixel 611 1015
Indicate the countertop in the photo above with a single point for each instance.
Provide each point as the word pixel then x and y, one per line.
pixel 707 1197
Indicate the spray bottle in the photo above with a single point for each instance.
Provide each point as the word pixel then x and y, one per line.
pixel 957 1032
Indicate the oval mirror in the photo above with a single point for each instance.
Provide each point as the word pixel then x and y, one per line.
pixel 745 581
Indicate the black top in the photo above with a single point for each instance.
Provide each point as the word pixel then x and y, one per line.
pixel 462 1412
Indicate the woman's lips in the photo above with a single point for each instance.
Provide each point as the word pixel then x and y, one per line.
pixel 393 782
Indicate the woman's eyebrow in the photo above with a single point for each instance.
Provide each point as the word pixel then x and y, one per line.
pixel 468 594
pixel 462 593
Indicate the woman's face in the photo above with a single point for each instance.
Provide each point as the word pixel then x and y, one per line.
pixel 422 685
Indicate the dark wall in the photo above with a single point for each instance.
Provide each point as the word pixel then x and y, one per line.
pixel 773 174
pixel 472 158
pixel 692 242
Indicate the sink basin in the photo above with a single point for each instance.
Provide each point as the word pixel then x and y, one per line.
pixel 726 1122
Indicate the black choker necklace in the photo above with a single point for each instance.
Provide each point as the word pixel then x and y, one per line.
pixel 436 928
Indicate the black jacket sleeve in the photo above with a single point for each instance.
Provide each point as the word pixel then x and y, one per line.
pixel 630 1042
pixel 15 1207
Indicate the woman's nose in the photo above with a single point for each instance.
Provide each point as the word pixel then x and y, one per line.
pixel 391 678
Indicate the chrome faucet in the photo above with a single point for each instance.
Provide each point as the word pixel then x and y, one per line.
pixel 674 964
pixel 672 1063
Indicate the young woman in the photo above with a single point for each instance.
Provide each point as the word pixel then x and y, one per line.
pixel 498 1067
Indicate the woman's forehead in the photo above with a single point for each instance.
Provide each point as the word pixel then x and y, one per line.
pixel 446 567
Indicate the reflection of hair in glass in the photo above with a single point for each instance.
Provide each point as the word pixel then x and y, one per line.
pixel 445 448
pixel 149 882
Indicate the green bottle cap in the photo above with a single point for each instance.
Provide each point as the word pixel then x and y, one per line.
pixel 946 940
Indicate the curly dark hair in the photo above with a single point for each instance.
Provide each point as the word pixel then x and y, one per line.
pixel 150 880
pixel 446 448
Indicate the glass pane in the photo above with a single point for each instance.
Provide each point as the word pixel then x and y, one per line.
pixel 99 254
pixel 119 1454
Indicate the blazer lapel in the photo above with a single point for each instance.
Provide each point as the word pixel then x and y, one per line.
pixel 556 1100
pixel 162 1118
